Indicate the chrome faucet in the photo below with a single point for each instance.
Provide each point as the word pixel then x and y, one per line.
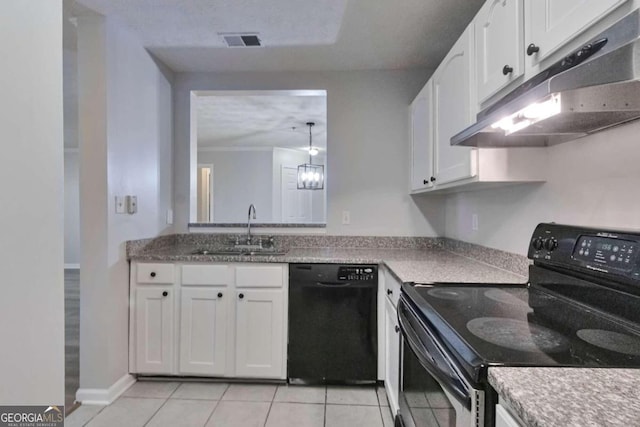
pixel 251 208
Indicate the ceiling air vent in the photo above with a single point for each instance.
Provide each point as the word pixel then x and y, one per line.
pixel 241 39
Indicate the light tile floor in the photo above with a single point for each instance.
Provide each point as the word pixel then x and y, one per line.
pixel 211 404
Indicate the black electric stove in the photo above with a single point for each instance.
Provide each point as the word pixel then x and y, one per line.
pixel 580 308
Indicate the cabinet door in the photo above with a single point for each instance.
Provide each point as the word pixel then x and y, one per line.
pixel 554 22
pixel 422 139
pixel 203 330
pixel 392 355
pixel 499 45
pixel 454 106
pixel 260 333
pixel 154 329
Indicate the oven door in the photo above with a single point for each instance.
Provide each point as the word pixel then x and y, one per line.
pixel 432 389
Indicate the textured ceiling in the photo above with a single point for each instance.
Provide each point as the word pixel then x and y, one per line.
pixel 196 23
pixel 261 121
pixel 298 34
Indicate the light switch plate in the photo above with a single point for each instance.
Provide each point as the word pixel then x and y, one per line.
pixel 120 205
pixel 132 204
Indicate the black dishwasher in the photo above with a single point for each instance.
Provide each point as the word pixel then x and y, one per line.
pixel 333 324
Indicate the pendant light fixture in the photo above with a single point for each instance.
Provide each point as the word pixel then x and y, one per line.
pixel 310 176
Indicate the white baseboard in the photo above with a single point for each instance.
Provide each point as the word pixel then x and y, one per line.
pixel 105 396
pixel 72 266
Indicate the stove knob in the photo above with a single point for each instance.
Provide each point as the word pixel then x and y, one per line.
pixel 537 243
pixel 550 244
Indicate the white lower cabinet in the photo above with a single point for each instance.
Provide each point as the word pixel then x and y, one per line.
pixel 504 418
pixel 392 340
pixel 205 323
pixel 392 356
pixel 154 318
pixel 203 330
pixel 259 333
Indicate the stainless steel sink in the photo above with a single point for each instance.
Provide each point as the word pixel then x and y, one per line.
pixel 264 253
pixel 232 252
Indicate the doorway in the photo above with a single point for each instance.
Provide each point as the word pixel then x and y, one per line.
pixel 296 204
pixel 205 193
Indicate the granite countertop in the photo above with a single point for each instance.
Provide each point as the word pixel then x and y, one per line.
pixel 570 397
pixel 408 265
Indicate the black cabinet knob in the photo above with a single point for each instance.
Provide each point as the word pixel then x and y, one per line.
pixel 241 296
pixel 397 328
pixel 219 294
pixel 425 182
pixel 433 179
pixel 532 48
pixel 165 293
pixel 153 274
pixel 507 70
pixel 389 291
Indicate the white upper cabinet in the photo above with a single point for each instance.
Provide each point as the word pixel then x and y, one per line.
pixel 551 23
pixel 422 139
pixel 454 104
pixel 499 45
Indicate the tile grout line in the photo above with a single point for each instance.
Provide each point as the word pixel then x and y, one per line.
pixel 93 416
pixel 379 405
pixel 163 403
pixel 326 391
pixel 271 405
pixel 216 406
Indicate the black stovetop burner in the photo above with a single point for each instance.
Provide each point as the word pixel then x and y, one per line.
pixel 576 310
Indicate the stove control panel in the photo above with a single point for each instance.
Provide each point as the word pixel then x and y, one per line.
pixel 602 251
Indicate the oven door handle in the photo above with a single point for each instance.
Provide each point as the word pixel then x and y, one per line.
pixel 424 355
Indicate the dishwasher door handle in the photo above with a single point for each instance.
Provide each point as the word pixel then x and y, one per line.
pixel 334 284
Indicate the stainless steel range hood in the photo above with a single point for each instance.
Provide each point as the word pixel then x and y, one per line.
pixel 593 88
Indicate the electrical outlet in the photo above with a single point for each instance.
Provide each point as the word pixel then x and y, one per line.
pixel 169 216
pixel 474 222
pixel 120 205
pixel 346 217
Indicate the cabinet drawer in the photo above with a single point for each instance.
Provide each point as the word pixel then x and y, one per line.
pixel 198 275
pixel 263 276
pixel 155 273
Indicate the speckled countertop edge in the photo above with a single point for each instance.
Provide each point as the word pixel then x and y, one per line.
pixel 254 225
pixel 570 397
pixel 409 259
pixel 425 265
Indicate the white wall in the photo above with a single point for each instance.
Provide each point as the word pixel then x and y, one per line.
pixel 31 220
pixel 71 208
pixel 592 181
pixel 368 150
pixel 125 149
pixel 240 178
